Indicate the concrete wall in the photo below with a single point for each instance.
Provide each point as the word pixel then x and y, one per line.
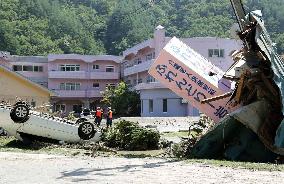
pixel 175 107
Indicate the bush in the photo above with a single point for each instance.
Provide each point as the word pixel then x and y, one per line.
pixel 129 136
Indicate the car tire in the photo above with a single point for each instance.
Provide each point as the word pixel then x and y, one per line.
pixel 86 131
pixel 20 113
pixel 80 120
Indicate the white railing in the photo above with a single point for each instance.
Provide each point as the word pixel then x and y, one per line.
pixel 83 75
pixel 150 85
pixel 67 75
pixel 69 93
pixel 104 75
pixel 144 66
pixel 79 93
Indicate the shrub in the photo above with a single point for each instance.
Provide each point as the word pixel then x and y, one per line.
pixel 129 136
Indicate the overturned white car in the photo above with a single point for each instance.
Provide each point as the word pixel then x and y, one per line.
pixel 28 125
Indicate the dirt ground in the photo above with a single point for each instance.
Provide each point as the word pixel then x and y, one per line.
pixel 41 168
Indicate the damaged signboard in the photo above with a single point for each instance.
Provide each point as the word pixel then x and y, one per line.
pixel 192 77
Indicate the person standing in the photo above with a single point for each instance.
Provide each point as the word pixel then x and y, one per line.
pixel 98 116
pixel 109 117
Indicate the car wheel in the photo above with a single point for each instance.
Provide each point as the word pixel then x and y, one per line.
pixel 20 113
pixel 80 120
pixel 86 131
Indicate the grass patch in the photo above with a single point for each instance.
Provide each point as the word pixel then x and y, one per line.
pixel 175 134
pixel 141 154
pixel 240 165
pixel 11 144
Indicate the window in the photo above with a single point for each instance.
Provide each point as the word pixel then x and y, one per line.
pixel 150 79
pixel 110 68
pixel 60 107
pixel 18 68
pixel 40 69
pixel 36 68
pixel 134 81
pixel 62 86
pixel 165 105
pixel 216 52
pixel 33 103
pixel 69 67
pixel 77 108
pixel 137 61
pixel 141 106
pixel 27 68
pixel 150 105
pixel 70 86
pixel 140 81
pixel 150 56
pixel 96 85
pixel 96 67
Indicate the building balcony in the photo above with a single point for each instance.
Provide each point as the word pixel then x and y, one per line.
pixel 67 75
pixel 69 93
pixel 150 85
pixel 104 75
pixel 94 93
pixel 83 75
pixel 78 93
pixel 144 66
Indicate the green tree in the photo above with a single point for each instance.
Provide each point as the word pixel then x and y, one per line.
pixel 124 101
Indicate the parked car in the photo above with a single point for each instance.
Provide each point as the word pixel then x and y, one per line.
pixel 28 125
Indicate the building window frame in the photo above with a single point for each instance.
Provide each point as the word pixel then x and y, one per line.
pixel 220 53
pixel 17 68
pixel 151 106
pixel 60 107
pixel 142 105
pixel 70 86
pixel 69 67
pixel 77 108
pixel 96 67
pixel 165 105
pixel 27 68
pixel 109 68
pixel 150 56
pixel 96 85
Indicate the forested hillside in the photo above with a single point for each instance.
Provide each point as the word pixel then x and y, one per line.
pixel 39 27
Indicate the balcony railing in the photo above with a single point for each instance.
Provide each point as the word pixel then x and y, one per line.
pixel 83 75
pixel 144 66
pixel 67 75
pixel 94 93
pixel 78 93
pixel 150 85
pixel 104 75
pixel 69 93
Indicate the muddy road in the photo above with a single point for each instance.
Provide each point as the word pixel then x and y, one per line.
pixel 47 169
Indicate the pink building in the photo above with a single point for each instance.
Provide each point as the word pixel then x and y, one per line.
pixel 157 100
pixel 35 68
pixel 80 80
